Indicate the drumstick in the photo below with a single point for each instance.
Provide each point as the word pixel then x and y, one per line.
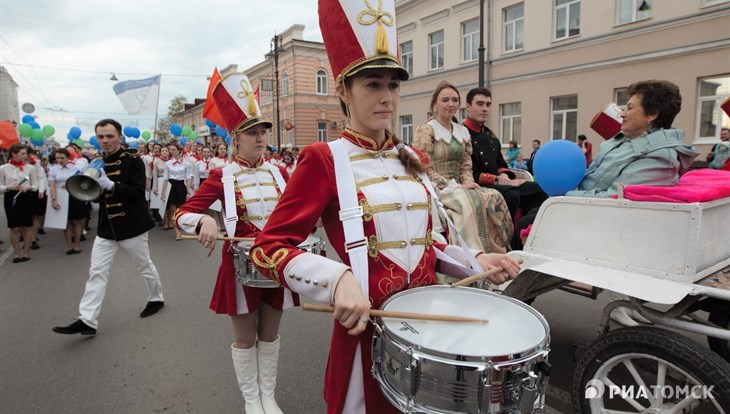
pixel 398 315
pixel 481 276
pixel 239 239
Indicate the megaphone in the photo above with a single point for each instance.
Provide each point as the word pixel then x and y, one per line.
pixel 84 186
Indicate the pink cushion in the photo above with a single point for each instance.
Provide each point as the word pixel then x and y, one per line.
pixel 693 187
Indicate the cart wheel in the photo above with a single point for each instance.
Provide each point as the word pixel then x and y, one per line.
pixel 721 346
pixel 650 370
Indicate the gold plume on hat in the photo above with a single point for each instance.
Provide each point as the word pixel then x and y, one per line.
pixel 370 16
pixel 247 92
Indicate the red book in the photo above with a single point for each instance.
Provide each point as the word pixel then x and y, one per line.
pixel 607 123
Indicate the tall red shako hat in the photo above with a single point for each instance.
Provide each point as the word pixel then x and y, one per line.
pixel 234 97
pixel 359 35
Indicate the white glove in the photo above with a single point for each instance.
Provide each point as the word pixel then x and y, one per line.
pixel 104 181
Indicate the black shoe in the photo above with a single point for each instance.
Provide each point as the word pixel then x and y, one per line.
pixel 152 308
pixel 74 328
pixel 34 246
pixel 41 231
pixel 82 238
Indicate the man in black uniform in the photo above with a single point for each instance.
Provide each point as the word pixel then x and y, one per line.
pixel 124 221
pixel 488 164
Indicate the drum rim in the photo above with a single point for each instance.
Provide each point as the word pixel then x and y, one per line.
pixel 518 357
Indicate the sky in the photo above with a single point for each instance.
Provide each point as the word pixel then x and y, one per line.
pixel 61 53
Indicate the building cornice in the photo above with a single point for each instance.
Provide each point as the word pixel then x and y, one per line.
pixel 464 6
pixel 436 17
pixel 642 57
pixel 406 5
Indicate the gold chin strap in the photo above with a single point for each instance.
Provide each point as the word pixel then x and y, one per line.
pixel 383 18
pixel 246 92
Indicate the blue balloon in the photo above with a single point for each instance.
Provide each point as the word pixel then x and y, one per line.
pixel 176 130
pixel 183 141
pixel 155 141
pixel 27 119
pixel 559 167
pixel 228 139
pixel 127 131
pixel 75 132
pixel 197 141
pixel 133 145
pixel 220 131
pixel 208 122
pixel 95 142
pixel 34 124
pixel 69 136
pixel 135 132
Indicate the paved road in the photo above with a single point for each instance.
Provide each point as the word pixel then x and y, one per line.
pixel 177 361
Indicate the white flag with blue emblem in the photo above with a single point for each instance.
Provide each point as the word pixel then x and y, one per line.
pixel 139 95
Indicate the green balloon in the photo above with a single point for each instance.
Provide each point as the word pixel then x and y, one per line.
pixel 186 130
pixel 193 136
pixel 37 135
pixel 25 130
pixel 146 135
pixel 79 142
pixel 49 130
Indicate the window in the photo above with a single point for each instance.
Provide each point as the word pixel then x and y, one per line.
pixel 470 40
pixel 514 27
pixel 567 18
pixel 436 50
pixel 406 56
pixel 463 114
pixel 511 116
pixel 621 97
pixel 711 118
pixel 322 131
pixel 632 10
pixel 564 122
pixel 321 82
pixel 406 129
pixel 285 84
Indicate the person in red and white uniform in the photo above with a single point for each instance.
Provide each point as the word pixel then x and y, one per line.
pixel 57 177
pixel 221 156
pixel 19 183
pixel 383 201
pixel 253 189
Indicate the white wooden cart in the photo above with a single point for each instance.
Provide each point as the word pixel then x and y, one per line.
pixel 673 262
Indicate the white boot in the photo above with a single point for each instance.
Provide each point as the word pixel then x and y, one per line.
pixel 246 366
pixel 268 362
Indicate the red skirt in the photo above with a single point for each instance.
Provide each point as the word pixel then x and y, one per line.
pixel 232 298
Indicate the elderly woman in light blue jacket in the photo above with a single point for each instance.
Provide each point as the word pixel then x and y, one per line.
pixel 647 151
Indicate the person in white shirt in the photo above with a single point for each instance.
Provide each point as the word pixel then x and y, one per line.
pixel 221 156
pixel 179 175
pixel 19 182
pixel 202 168
pixel 289 162
pixel 57 176
pixel 39 201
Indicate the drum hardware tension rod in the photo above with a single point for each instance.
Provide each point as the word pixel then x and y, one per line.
pixel 481 276
pixel 399 315
pixel 238 239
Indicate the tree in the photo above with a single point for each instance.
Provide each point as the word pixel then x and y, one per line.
pixel 177 105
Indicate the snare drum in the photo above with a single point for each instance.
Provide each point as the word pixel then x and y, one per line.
pixel 246 273
pixel 449 367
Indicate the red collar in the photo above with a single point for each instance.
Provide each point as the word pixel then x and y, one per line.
pixel 19 164
pixel 473 125
pixel 246 164
pixel 366 142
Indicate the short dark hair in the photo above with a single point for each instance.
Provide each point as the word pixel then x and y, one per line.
pixel 16 148
pixel 582 137
pixel 109 121
pixel 536 140
pixel 660 98
pixel 63 151
pixel 477 91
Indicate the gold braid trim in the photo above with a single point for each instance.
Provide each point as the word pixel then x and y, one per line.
pixel 418 206
pixel 272 263
pixel 407 178
pixel 374 246
pixel 247 92
pixel 373 156
pixel 370 16
pixel 371 181
pixel 368 210
pixel 243 201
pixel 109 164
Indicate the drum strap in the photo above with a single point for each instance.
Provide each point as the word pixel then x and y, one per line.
pixel 229 192
pixel 351 213
pixel 442 212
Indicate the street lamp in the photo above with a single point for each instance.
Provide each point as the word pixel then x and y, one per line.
pixel 276 48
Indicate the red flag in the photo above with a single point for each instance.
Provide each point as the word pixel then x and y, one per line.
pixel 210 111
pixel 257 95
pixel 8 135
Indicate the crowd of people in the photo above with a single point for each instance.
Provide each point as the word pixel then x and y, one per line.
pixel 375 198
